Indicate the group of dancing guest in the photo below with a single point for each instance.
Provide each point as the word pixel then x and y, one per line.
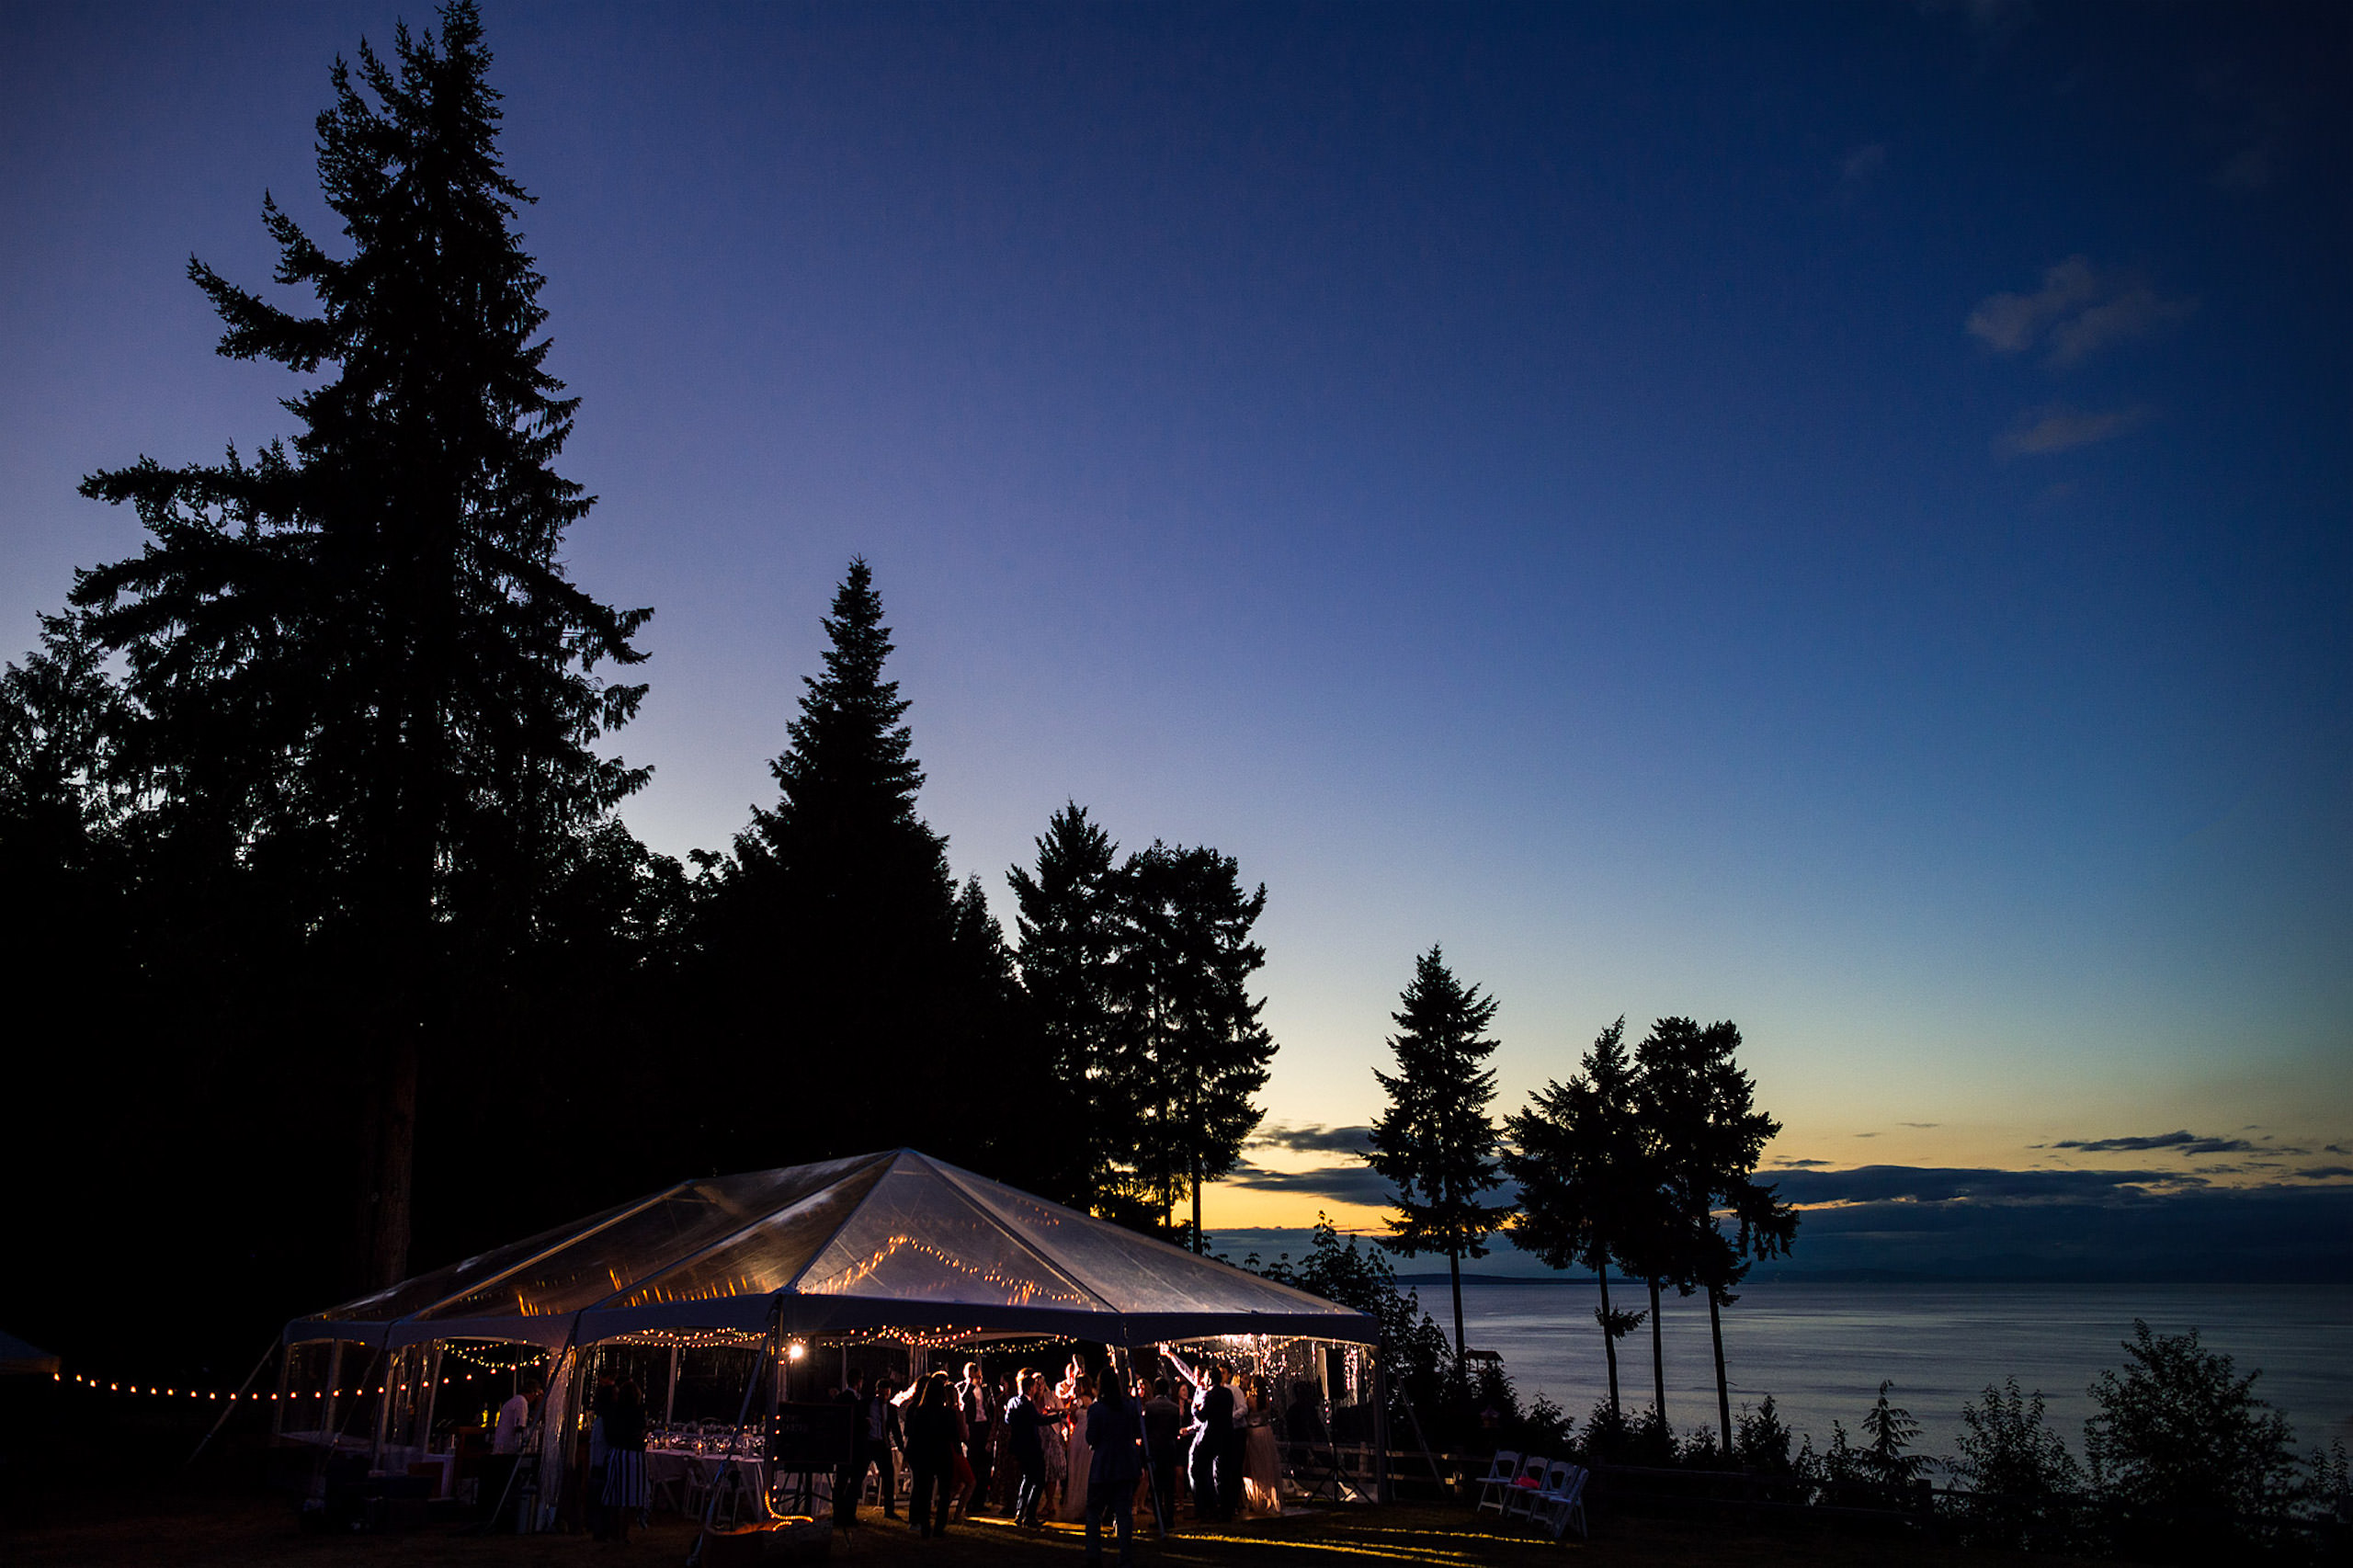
pixel 1037 1450
pixel 1235 1467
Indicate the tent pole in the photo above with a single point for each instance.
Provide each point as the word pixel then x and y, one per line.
pixel 424 1406
pixel 1382 1490
pixel 328 1422
pixel 277 1407
pixel 393 1365
pixel 670 1402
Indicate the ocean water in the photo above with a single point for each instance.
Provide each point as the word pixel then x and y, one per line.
pixel 1821 1350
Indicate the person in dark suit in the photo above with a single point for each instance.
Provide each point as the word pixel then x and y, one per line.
pixel 931 1454
pixel 885 1433
pixel 1024 1415
pixel 850 1480
pixel 1227 1438
pixel 980 1420
pixel 1115 1436
pixel 1162 1420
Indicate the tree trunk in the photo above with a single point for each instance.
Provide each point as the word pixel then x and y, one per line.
pixel 1658 1357
pixel 1609 1341
pixel 393 1179
pixel 1461 1356
pixel 1724 1389
pixel 1197 1204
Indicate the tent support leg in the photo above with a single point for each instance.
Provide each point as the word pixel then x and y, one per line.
pixel 327 1421
pixel 277 1406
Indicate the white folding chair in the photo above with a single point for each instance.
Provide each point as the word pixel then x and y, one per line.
pixel 1562 1503
pixel 1518 1499
pixel 665 1476
pixel 1497 1481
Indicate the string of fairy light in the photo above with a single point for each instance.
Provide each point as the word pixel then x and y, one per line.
pixel 249 1397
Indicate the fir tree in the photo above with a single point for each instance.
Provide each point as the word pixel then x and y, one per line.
pixel 1587 1186
pixel 1435 1142
pixel 1188 1049
pixel 1068 928
pixel 837 938
pixel 357 666
pixel 1700 1109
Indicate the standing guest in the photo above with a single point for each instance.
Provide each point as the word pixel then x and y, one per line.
pixel 883 1434
pixel 1005 1474
pixel 1162 1420
pixel 961 1464
pixel 1262 1465
pixel 1082 1465
pixel 624 1459
pixel 1217 1454
pixel 1200 1456
pixel 850 1480
pixel 1225 1405
pixel 507 1437
pixel 1057 1438
pixel 1024 1415
pixel 980 1423
pixel 932 1449
pixel 1115 1439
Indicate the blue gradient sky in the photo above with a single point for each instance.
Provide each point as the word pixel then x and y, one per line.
pixel 1563 483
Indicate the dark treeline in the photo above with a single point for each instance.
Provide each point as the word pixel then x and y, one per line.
pixel 1644 1162
pixel 329 958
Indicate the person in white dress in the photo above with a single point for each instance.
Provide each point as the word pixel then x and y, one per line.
pixel 1262 1465
pixel 1081 1459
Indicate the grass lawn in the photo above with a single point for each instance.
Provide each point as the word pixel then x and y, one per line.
pixel 237 1530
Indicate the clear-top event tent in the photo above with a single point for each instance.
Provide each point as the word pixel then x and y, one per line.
pixel 878 1242
pixel 892 1262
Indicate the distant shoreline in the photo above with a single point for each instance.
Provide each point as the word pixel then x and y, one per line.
pixel 1900 1277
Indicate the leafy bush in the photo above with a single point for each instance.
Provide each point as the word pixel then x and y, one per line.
pixel 2180 1430
pixel 1761 1441
pixel 2018 1468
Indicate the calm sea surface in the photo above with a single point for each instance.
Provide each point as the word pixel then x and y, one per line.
pixel 1821 1350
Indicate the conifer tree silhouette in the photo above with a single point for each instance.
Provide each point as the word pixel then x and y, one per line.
pixel 357 661
pixel 1436 1140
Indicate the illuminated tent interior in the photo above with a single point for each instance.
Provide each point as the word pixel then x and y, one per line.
pixel 878 1242
pixel 894 1259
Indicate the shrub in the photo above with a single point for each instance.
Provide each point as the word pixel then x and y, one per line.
pixel 2181 1430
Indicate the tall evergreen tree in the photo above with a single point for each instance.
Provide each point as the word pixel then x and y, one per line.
pixel 1069 926
pixel 1707 1136
pixel 837 937
pixel 1436 1140
pixel 1189 1049
pixel 357 666
pixel 1582 1165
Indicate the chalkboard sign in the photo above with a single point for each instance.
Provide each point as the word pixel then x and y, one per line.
pixel 809 1437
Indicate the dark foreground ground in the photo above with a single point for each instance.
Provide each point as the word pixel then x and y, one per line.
pixel 195 1530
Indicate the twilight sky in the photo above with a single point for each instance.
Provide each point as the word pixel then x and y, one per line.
pixel 1834 517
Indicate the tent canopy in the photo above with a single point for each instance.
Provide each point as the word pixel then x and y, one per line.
pixel 878 1242
pixel 16 1355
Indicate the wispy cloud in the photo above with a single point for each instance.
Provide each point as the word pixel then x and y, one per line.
pixel 1918 1184
pixel 2080 310
pixel 1919 1124
pixel 1351 1183
pixel 2059 428
pixel 1314 1139
pixel 2181 1141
